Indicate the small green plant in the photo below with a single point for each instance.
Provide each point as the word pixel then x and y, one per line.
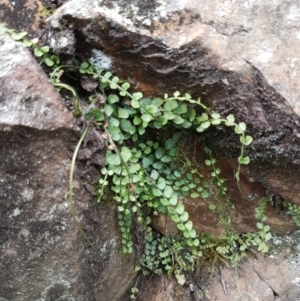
pixel 149 173
pixel 294 211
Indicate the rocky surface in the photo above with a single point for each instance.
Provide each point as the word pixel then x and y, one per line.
pixel 42 254
pixel 267 278
pixel 239 57
pixel 275 277
pixel 22 15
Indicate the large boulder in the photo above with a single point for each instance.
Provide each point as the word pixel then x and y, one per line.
pixel 239 57
pixel 43 256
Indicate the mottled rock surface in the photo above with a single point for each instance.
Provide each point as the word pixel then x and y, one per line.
pixel 22 15
pixel 240 57
pixel 42 254
pixel 27 98
pixel 264 278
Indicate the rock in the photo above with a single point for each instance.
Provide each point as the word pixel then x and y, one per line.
pixel 260 278
pixel 167 289
pixel 239 57
pixel 268 278
pixel 27 97
pixel 43 256
pixel 22 15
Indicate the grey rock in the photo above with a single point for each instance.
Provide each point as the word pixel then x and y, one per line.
pixel 26 96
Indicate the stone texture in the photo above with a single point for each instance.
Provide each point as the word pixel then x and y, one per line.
pixel 26 96
pixel 275 277
pixel 239 57
pixel 22 15
pixel 268 278
pixel 42 254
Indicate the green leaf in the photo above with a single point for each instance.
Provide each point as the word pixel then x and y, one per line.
pixel 95 114
pixel 125 153
pixel 230 118
pixel 268 236
pixel 180 279
pixel 168 191
pixel 184 216
pixel 178 120
pixel 141 129
pixel 45 49
pixel 37 52
pixel 112 159
pixel 246 140
pixel 195 195
pixel 157 102
pixel 160 152
pixel 196 242
pixel 202 118
pixel 205 194
pixel 136 120
pixel 181 109
pixel 259 225
pixel 154 175
pixel 125 125
pixel 170 105
pixel 137 95
pixel 161 183
pixel 181 227
pixel 158 124
pixel 147 161
pixel 49 62
pixel 108 109
pixel 190 114
pixel 122 113
pixel 205 125
pixel 18 35
pixel 169 115
pixel 114 132
pixel 174 199
pixel 113 98
pixel 146 117
pixel 158 165
pixel 212 207
pixel 192 233
pixel 244 160
pixel 242 126
pixel 189 225
pixel 113 122
pixel 126 86
pixel 34 41
pixel 216 121
pixel 163 120
pixel 166 159
pixel 179 209
pixel 164 202
pixel 175 218
pixel 151 109
pixel 156 192
pixel 215 116
pixel 27 43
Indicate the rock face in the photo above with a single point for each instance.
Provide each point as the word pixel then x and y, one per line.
pixel 239 57
pixel 42 254
pixel 268 278
pixel 275 277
